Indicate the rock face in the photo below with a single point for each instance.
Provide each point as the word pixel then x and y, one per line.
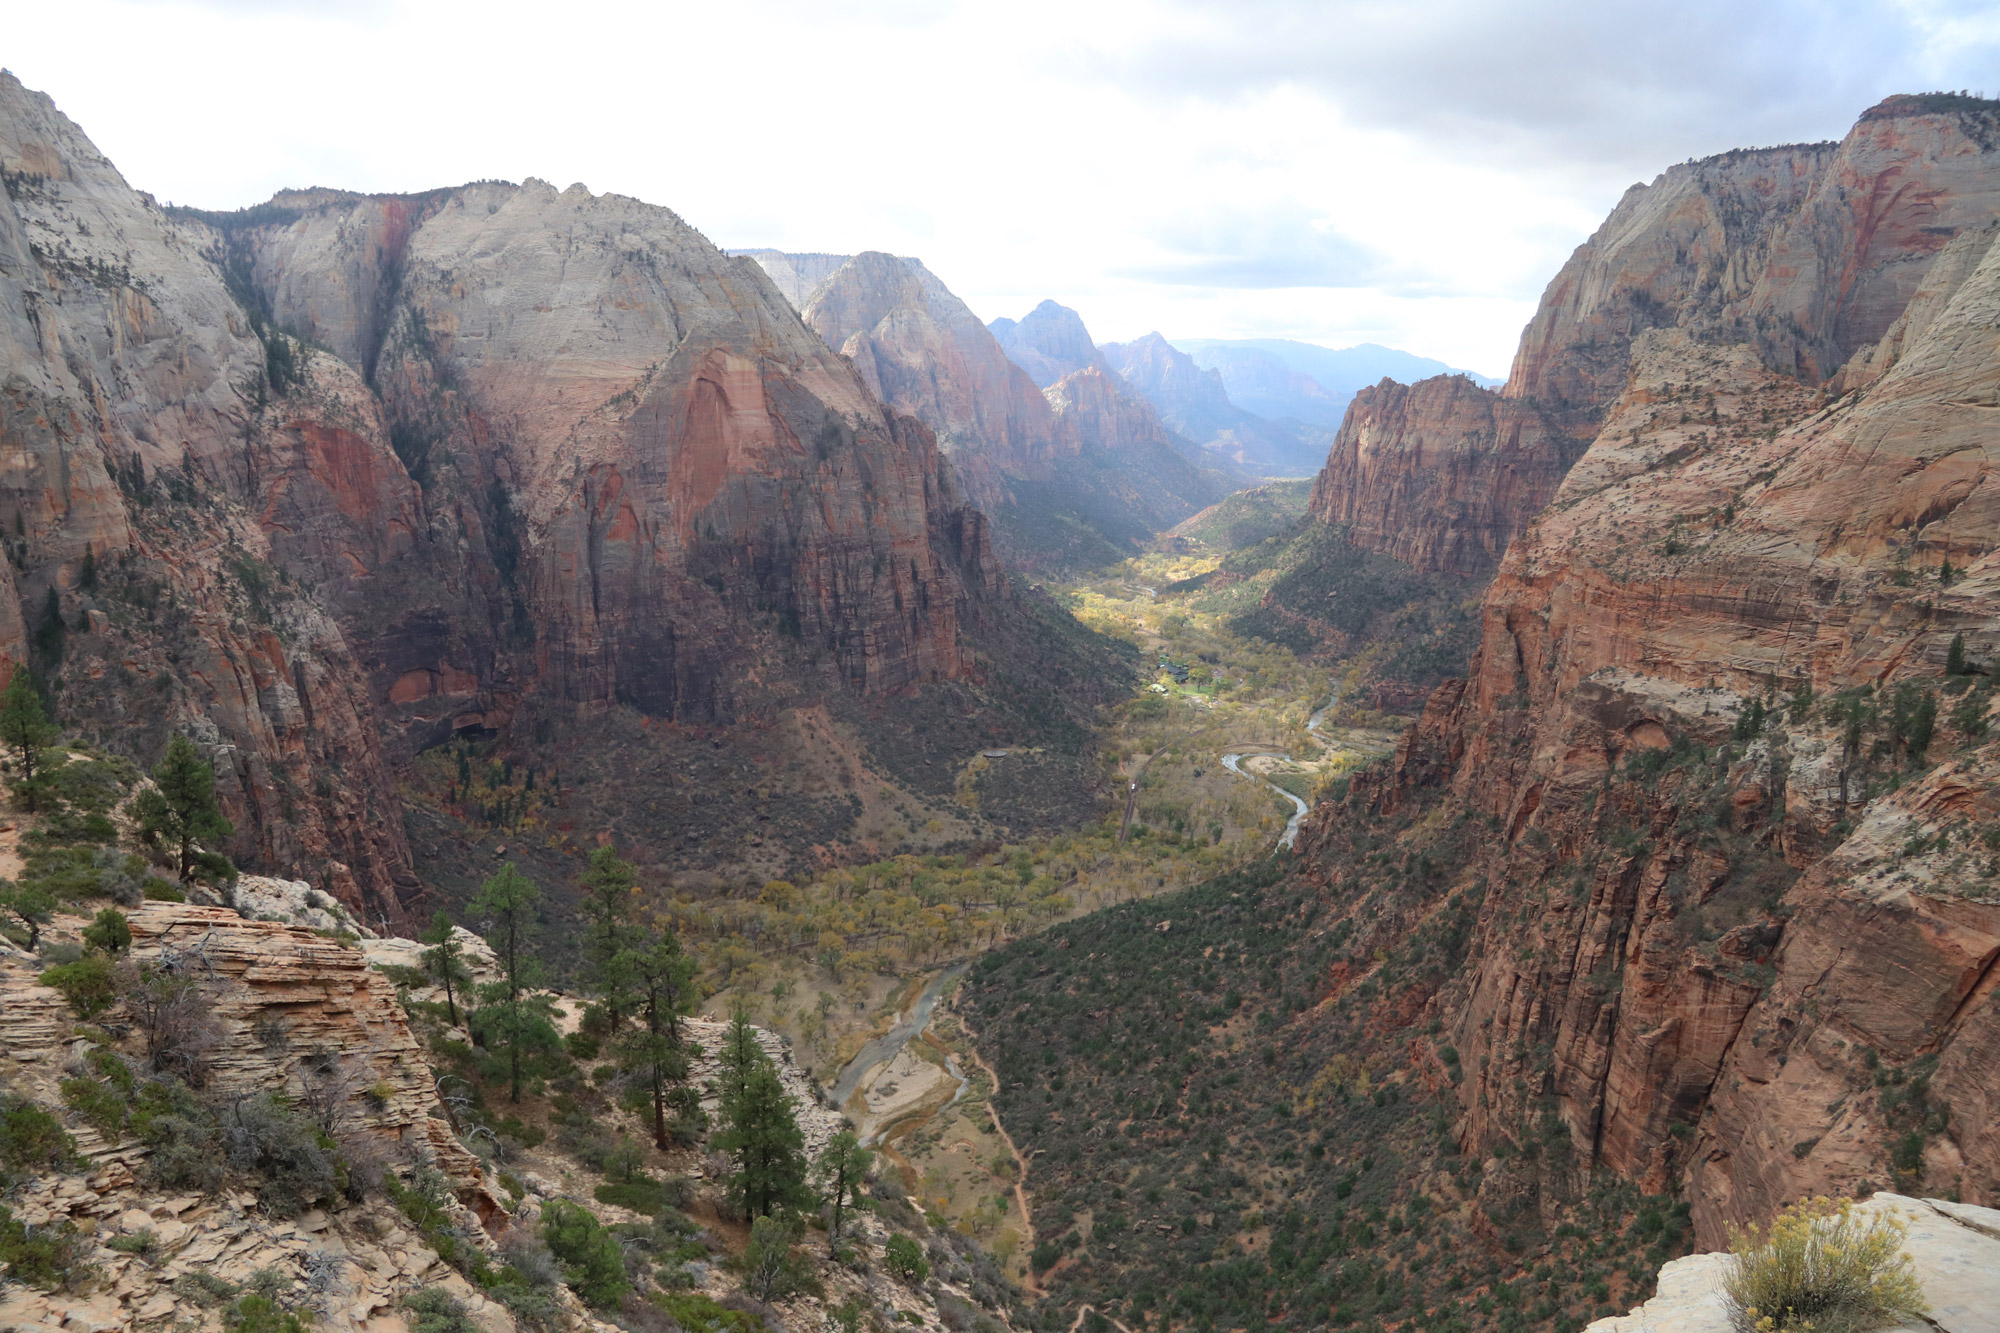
pixel 1734 951
pixel 1048 342
pixel 1440 474
pixel 538 450
pixel 1954 1251
pixel 1076 456
pixel 1193 402
pixel 1806 253
pixel 921 350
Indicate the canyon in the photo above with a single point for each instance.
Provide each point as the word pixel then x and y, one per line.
pixel 1679 901
pixel 1738 966
pixel 1074 466
pixel 339 479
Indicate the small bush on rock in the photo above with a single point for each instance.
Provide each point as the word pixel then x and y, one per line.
pixel 435 1311
pixel 1820 1267
pixel 50 1257
pixel 89 984
pixel 31 1139
pixel 591 1259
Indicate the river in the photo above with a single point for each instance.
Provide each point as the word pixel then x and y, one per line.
pixel 881 1050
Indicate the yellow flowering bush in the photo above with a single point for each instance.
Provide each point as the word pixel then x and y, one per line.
pixel 1822 1268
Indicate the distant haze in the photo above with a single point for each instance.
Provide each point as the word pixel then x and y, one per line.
pixel 1284 378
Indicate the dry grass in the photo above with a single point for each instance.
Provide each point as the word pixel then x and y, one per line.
pixel 1823 1267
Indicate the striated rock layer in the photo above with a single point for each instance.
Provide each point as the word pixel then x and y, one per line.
pixel 1749 955
pixel 331 480
pixel 1045 435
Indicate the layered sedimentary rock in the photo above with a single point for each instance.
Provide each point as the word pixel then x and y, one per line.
pixel 1807 253
pixel 923 352
pixel 1440 474
pixel 327 481
pixel 1741 924
pixel 1078 459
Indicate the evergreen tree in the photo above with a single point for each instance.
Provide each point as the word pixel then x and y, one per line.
pixel 1954 658
pixel 607 903
pixel 762 1134
pixel 181 806
pixel 109 932
pixel 842 1166
pixel 508 901
pixel 32 904
pixel 26 728
pixel 445 960
pixel 660 979
pixel 739 1054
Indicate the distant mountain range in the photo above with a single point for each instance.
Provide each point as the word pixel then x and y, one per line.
pixel 1282 379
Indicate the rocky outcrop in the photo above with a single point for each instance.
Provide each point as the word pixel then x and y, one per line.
pixel 923 352
pixel 1194 403
pixel 1953 1248
pixel 1440 474
pixel 1807 253
pixel 1071 460
pixel 328 481
pixel 1750 954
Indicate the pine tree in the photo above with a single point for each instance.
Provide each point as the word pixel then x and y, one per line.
pixel 762 1133
pixel 607 902
pixel 445 960
pixel 26 728
pixel 508 901
pixel 1954 658
pixel 661 981
pixel 181 806
pixel 739 1054
pixel 32 904
pixel 842 1166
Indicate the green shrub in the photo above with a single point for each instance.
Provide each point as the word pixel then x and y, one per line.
pixel 436 1311
pixel 90 984
pixel 141 1242
pixel 696 1313
pixel 641 1196
pixel 770 1268
pixel 33 1139
pixel 905 1259
pixel 591 1259
pixel 157 890
pixel 109 932
pixel 1822 1268
pixel 260 1314
pixel 293 1166
pixel 49 1257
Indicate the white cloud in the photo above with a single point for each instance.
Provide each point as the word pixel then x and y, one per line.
pixel 1336 170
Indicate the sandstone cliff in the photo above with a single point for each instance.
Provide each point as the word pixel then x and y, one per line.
pixel 332 480
pixel 1072 473
pixel 1738 926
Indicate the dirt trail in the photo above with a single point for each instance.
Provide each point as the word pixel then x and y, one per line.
pixel 1020 1162
pixel 1087 1310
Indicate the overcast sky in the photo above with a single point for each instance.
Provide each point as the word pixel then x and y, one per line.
pixel 1342 171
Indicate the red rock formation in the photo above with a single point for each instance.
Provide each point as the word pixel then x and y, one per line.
pixel 1440 474
pixel 920 350
pixel 1759 972
pixel 563 451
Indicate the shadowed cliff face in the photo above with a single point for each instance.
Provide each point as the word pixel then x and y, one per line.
pixel 541 448
pixel 1748 953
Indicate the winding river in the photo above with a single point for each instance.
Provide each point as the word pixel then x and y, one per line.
pixel 1233 762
